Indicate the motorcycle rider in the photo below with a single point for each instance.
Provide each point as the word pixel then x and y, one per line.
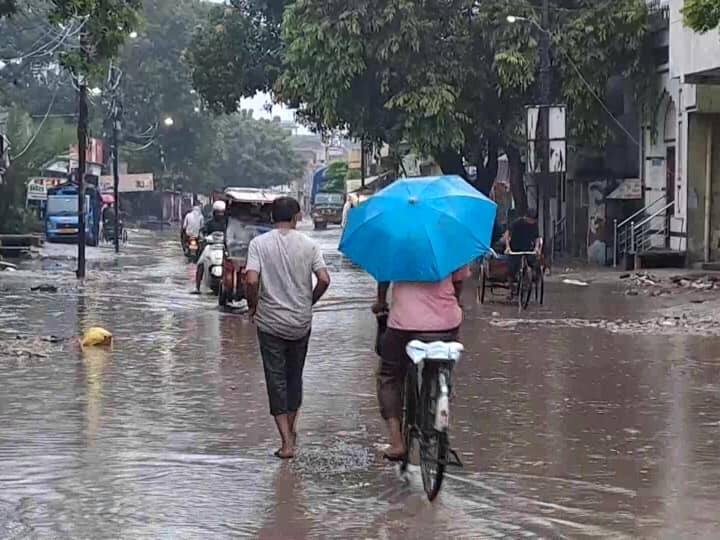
pixel 192 224
pixel 217 223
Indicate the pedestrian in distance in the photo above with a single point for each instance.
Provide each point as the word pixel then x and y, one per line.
pixel 280 295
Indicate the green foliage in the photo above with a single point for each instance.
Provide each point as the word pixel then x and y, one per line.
pixel 107 26
pixel 452 77
pixel 54 138
pixel 702 15
pixel 7 8
pixel 156 84
pixel 236 53
pixel 254 153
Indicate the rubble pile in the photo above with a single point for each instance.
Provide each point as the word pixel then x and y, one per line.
pixel 652 285
pixel 695 325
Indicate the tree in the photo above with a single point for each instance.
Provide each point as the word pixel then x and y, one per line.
pixel 452 77
pixel 255 153
pixel 156 84
pixel 7 8
pixel 33 146
pixel 702 15
pixel 237 52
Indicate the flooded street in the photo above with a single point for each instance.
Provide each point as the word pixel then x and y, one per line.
pixel 565 430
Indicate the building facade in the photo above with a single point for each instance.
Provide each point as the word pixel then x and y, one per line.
pixel 681 144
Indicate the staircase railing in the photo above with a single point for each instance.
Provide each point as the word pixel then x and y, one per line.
pixel 643 232
pixel 623 236
pixel 559 236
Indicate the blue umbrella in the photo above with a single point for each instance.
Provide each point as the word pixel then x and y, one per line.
pixel 419 229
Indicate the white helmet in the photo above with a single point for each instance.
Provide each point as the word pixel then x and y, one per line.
pixel 219 206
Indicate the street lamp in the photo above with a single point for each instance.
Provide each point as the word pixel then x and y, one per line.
pixel 512 19
pixel 133 35
pixel 169 122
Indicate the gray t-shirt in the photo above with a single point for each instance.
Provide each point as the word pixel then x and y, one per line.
pixel 286 261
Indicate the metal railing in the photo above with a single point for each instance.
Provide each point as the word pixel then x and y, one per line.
pixel 624 238
pixel 644 232
pixel 559 235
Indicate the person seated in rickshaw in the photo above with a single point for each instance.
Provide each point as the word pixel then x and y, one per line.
pixel 523 235
pixel 240 230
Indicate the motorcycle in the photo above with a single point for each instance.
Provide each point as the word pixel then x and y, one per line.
pixel 191 247
pixel 212 261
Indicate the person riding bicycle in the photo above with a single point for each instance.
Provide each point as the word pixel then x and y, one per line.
pixel 415 308
pixel 523 236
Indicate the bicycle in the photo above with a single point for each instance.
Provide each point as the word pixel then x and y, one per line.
pixel 527 279
pixel 426 408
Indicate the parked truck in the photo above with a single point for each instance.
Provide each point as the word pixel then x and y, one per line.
pixel 61 214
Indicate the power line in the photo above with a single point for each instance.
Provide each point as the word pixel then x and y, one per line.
pixel 598 99
pixel 42 123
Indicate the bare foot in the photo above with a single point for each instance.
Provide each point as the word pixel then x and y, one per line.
pixel 285 453
pixel 394 453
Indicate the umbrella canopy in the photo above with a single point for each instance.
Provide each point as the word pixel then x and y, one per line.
pixel 419 229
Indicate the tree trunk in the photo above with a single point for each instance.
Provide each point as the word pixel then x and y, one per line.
pixel 451 162
pixel 517 182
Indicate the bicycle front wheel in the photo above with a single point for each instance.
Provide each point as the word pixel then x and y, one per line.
pixel 434 444
pixel 524 288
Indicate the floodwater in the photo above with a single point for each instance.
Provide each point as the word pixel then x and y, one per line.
pixel 565 431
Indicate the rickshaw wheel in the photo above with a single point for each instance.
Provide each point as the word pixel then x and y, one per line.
pixel 483 285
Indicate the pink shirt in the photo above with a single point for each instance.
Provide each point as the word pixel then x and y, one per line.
pixel 426 307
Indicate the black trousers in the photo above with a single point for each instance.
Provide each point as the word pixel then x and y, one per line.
pixel 283 361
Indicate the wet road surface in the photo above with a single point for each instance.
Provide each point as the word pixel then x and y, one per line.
pixel 565 431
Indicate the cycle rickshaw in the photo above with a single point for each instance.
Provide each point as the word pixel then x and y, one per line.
pixel 496 273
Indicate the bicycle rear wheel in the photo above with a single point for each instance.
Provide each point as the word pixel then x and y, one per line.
pixel 433 444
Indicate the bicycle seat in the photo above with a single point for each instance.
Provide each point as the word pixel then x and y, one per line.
pixel 438 350
pixel 433 337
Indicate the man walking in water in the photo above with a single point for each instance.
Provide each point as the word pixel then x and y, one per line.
pixel 280 294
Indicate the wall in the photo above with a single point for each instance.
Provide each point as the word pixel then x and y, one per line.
pixel 691 53
pixel 699 125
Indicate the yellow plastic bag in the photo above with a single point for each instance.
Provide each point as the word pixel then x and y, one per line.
pixel 96 337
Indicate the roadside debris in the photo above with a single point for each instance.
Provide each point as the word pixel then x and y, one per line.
pixel 96 337
pixel 653 285
pixel 44 288
pixel 7 266
pixel 30 347
pixel 575 282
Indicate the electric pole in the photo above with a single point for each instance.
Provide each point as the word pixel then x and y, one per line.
pixel 545 81
pixel 116 173
pixel 82 152
pixel 363 165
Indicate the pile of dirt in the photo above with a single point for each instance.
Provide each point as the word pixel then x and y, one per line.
pixel 652 285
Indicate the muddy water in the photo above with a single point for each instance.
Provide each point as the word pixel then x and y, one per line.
pixel 566 431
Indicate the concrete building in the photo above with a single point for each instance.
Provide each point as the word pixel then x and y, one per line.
pixel 681 149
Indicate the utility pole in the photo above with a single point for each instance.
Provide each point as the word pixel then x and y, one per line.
pixel 116 172
pixel 363 165
pixel 162 182
pixel 545 81
pixel 82 152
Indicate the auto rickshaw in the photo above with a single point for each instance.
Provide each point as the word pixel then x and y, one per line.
pixel 249 214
